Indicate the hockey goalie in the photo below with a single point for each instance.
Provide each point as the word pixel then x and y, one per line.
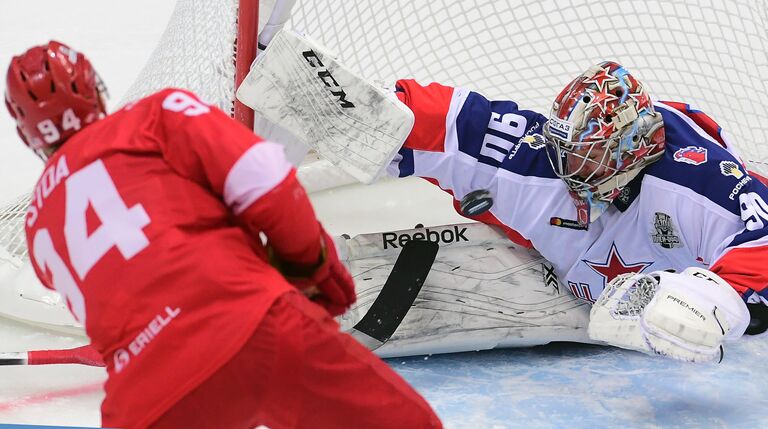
pixel 642 209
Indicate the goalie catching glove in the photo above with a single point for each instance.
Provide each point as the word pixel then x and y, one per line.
pixel 685 315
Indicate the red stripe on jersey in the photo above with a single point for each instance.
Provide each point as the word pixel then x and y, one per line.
pixel 487 218
pixel 700 118
pixel 430 106
pixel 740 267
pixel 759 177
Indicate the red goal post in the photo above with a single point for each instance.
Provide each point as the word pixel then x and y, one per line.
pixel 245 52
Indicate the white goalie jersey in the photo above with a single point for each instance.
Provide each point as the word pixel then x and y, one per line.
pixel 698 206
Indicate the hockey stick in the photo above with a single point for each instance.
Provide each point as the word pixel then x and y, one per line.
pixel 84 355
pixel 373 330
pixel 281 12
pixel 397 295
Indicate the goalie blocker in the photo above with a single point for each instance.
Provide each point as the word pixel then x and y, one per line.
pixel 297 84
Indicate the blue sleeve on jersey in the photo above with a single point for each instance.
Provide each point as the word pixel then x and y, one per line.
pixel 706 168
pixel 490 131
pixel 704 175
pixel 753 207
pixel 406 163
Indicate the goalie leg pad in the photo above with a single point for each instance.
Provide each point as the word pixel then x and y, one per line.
pixel 482 292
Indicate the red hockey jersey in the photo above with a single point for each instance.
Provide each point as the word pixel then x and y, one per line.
pixel 148 223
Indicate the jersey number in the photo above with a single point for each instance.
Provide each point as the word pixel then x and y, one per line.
pixel 51 134
pixel 180 102
pixel 511 126
pixel 120 227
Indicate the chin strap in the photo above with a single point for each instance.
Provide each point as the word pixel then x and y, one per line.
pixel 591 208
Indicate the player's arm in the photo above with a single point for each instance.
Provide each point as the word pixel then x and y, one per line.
pixel 299 246
pixel 256 182
pixel 744 268
pixel 742 262
pixel 459 138
pixel 454 121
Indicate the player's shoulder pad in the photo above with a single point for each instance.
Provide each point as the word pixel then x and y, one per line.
pixel 697 161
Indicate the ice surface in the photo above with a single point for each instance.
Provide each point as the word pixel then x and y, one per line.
pixel 586 386
pixel 556 386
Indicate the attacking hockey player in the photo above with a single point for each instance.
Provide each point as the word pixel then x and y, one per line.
pixel 149 222
pixel 643 208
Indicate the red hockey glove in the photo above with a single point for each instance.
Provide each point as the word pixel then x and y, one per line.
pixel 328 283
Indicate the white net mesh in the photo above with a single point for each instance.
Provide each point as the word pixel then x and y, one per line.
pixel 708 53
pixel 196 52
pixel 13 247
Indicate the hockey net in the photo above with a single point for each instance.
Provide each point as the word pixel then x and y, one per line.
pixel 708 53
pixel 711 54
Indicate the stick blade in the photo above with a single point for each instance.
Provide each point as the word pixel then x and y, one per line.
pixel 397 295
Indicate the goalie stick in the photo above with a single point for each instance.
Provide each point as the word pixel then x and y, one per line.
pixel 397 295
pixel 84 355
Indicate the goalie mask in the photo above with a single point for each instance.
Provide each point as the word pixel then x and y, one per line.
pixel 601 132
pixel 52 92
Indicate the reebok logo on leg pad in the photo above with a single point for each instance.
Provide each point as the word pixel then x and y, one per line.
pixel 454 235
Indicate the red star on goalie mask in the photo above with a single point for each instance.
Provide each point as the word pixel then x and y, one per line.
pixel 601 98
pixel 604 131
pixel 601 77
pixel 614 265
pixel 642 100
pixel 642 150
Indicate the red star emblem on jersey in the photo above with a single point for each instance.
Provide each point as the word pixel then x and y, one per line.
pixel 614 265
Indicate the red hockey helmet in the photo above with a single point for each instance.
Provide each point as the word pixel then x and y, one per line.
pixel 52 92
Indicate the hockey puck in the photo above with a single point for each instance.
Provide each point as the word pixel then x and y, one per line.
pixel 476 202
